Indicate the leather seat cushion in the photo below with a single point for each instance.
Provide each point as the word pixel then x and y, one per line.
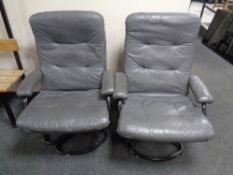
pixel 163 118
pixel 65 111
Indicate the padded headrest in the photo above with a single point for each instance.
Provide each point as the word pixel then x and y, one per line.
pixel 162 28
pixel 68 27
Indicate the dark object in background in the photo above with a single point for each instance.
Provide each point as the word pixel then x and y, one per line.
pixel 226 44
pixel 219 36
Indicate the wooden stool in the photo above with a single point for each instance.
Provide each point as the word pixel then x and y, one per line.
pixel 8 79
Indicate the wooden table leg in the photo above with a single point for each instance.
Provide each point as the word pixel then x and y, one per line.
pixel 8 110
pixel 225 4
pixel 215 3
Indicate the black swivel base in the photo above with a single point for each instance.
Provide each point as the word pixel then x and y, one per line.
pixel 178 150
pixel 47 140
pixel 97 138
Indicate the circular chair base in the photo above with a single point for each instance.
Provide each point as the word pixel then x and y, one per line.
pixel 96 141
pixel 137 153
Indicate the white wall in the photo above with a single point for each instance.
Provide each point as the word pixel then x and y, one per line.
pixel 114 12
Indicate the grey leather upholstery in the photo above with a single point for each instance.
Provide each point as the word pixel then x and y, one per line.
pixel 65 111
pixel 158 61
pixel 159 50
pixel 120 86
pixel 30 82
pixel 199 90
pixel 163 118
pixel 71 51
pixel 108 83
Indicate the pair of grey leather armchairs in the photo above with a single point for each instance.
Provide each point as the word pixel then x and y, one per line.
pixel 152 95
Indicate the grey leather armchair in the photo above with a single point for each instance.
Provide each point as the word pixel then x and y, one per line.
pixel 153 94
pixel 75 86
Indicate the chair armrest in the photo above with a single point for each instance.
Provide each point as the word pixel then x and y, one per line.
pixel 200 90
pixel 29 83
pixel 121 92
pixel 107 88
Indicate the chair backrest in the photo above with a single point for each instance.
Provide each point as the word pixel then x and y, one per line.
pixel 159 51
pixel 71 49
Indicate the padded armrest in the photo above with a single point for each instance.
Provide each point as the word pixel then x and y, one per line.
pixel 121 92
pixel 107 83
pixel 200 90
pixel 30 82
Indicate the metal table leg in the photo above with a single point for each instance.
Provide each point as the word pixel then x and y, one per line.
pixel 8 110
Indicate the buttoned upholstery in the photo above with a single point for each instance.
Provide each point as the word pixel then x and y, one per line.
pixel 158 61
pixel 71 49
pixel 159 51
